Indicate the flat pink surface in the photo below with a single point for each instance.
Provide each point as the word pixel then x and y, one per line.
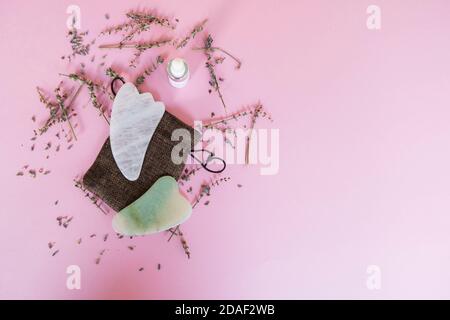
pixel 364 173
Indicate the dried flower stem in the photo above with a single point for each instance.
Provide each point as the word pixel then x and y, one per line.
pixel 238 62
pixel 139 46
pixel 255 111
pixel 95 200
pixel 173 232
pixel 91 87
pixel 215 84
pixel 199 28
pixel 177 231
pixel 137 23
pixel 186 175
pixel 255 114
pixel 224 120
pixel 147 72
pixel 145 19
pixel 64 109
pixel 210 64
pixel 56 109
pixel 205 189
pixel 184 243
pixel 110 72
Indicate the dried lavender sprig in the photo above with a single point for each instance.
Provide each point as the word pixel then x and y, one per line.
pixel 214 83
pixel 140 46
pixel 257 111
pixel 234 116
pixel 248 111
pixel 184 243
pixel 117 28
pixel 238 62
pixel 147 72
pixel 210 48
pixel 145 18
pixel 186 175
pixel 95 200
pixel 138 22
pixel 177 232
pixel 64 109
pixel 54 109
pixel 77 43
pixel 145 46
pixel 205 189
pixel 210 64
pixel 173 232
pixel 110 72
pixel 199 28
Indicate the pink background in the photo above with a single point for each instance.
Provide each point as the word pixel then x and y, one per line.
pixel 364 156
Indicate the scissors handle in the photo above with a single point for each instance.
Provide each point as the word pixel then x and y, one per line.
pixel 112 84
pixel 210 158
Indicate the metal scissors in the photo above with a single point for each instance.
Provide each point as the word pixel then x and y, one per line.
pixel 211 158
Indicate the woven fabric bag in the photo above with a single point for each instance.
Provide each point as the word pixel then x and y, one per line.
pixel 105 180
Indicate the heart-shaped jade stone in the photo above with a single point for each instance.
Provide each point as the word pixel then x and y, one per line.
pixel 134 119
pixel 160 208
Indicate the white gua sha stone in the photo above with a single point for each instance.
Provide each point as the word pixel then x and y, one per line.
pixel 134 119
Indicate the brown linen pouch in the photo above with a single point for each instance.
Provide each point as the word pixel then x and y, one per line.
pixel 105 180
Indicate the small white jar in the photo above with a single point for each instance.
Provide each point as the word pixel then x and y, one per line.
pixel 178 72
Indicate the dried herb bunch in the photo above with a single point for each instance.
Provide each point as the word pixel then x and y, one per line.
pixel 93 88
pixel 137 23
pixel 77 44
pixel 58 109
